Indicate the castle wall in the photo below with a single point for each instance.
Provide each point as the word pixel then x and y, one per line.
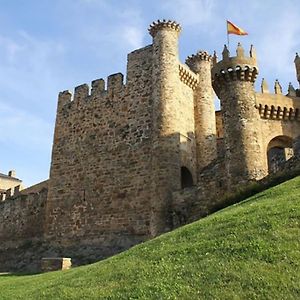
pixel 186 128
pixel 220 134
pixel 279 118
pixel 118 151
pixel 101 172
pixel 219 125
pixel 22 217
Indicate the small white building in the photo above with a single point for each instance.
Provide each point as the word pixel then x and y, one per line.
pixel 9 185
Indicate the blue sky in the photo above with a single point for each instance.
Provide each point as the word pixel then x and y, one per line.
pixel 47 46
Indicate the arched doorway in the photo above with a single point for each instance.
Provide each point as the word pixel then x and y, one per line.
pixel 280 149
pixel 186 178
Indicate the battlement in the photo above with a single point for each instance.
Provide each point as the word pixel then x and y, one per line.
pixel 278 112
pixel 163 24
pixel 276 106
pixel 198 60
pixel 239 67
pixel 200 55
pixel 292 92
pixel 84 92
pixel 187 76
pixel 277 88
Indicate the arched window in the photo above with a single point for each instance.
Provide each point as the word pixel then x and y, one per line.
pixel 280 149
pixel 186 178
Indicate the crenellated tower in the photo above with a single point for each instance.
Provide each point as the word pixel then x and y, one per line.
pixel 233 81
pixel 204 109
pixel 166 153
pixel 165 73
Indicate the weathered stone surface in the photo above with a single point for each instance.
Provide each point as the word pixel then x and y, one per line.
pixel 148 153
pixel 49 264
pixel 22 216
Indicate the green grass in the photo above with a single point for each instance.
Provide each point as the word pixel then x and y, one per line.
pixel 247 251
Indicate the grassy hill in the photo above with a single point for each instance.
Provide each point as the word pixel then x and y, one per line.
pixel 247 251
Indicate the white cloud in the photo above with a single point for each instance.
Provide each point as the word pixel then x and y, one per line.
pixel 24 130
pixel 29 67
pixel 191 12
pixel 277 41
pixel 110 28
pixel 282 36
pixel 28 85
pixel 28 88
pixel 133 36
pixel 25 144
pixel 10 48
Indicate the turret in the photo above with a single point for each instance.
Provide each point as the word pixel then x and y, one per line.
pixel 12 173
pixel 291 90
pixel 166 155
pixel 264 86
pixel 205 120
pixel 233 81
pixel 277 87
pixel 165 72
pixel 297 65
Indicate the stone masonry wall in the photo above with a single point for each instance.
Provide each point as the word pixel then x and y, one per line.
pixel 186 128
pixel 279 118
pixel 233 81
pixel 101 180
pixel 193 203
pixel 118 150
pixel 22 216
pixel 204 109
pixel 21 227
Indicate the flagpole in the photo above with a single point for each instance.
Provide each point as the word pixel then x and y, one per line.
pixel 228 40
pixel 227 34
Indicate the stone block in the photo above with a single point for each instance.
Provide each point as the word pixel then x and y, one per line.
pixel 55 263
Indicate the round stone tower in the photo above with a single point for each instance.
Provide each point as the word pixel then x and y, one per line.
pixel 165 77
pixel 166 152
pixel 233 81
pixel 205 119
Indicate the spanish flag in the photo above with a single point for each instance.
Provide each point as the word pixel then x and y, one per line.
pixel 233 29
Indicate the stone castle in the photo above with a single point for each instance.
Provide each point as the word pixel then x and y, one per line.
pixel 133 160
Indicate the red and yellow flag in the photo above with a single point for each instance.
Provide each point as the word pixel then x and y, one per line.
pixel 233 29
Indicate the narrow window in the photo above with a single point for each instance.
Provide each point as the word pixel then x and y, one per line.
pixel 186 178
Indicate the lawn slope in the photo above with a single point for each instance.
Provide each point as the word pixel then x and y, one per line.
pixel 246 251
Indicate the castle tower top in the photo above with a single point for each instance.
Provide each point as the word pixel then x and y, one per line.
pixel 239 67
pixel 194 60
pixel 240 60
pixel 264 86
pixel 291 90
pixel 200 55
pixel 163 24
pixel 277 87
